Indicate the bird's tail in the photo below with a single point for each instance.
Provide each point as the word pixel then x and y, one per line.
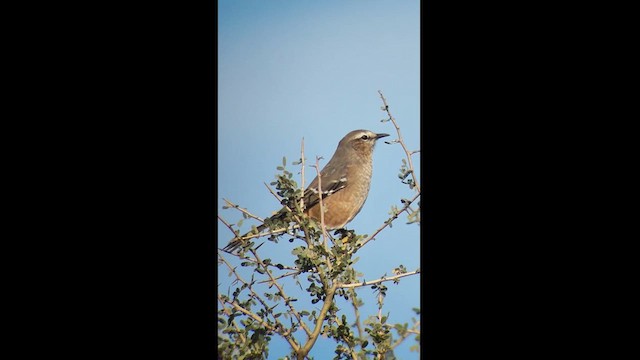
pixel 238 241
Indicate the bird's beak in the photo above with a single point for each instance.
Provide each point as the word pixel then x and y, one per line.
pixel 378 136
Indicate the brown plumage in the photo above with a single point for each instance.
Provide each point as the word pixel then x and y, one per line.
pixel 345 183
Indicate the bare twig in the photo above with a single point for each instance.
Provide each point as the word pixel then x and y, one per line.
pixel 377 281
pixel 302 172
pixel 323 279
pixel 244 211
pixel 390 220
pixel 307 239
pixel 279 277
pixel 404 147
pixel 274 193
pixel 321 204
pixel 227 224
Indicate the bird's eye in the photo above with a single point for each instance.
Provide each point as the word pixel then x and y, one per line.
pixel 365 137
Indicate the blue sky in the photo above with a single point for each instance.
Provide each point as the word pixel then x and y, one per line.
pixel 293 69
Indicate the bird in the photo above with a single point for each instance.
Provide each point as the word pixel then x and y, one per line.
pixel 345 182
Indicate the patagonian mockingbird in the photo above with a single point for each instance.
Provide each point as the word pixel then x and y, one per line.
pixel 345 182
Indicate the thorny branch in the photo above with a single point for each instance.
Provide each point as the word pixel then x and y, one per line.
pixel 390 220
pixel 321 204
pixel 244 211
pixel 404 147
pixel 377 281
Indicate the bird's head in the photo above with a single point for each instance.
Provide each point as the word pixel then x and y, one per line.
pixel 362 141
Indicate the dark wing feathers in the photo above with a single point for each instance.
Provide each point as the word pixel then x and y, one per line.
pixel 332 181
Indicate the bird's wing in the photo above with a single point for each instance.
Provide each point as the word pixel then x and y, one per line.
pixel 332 181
